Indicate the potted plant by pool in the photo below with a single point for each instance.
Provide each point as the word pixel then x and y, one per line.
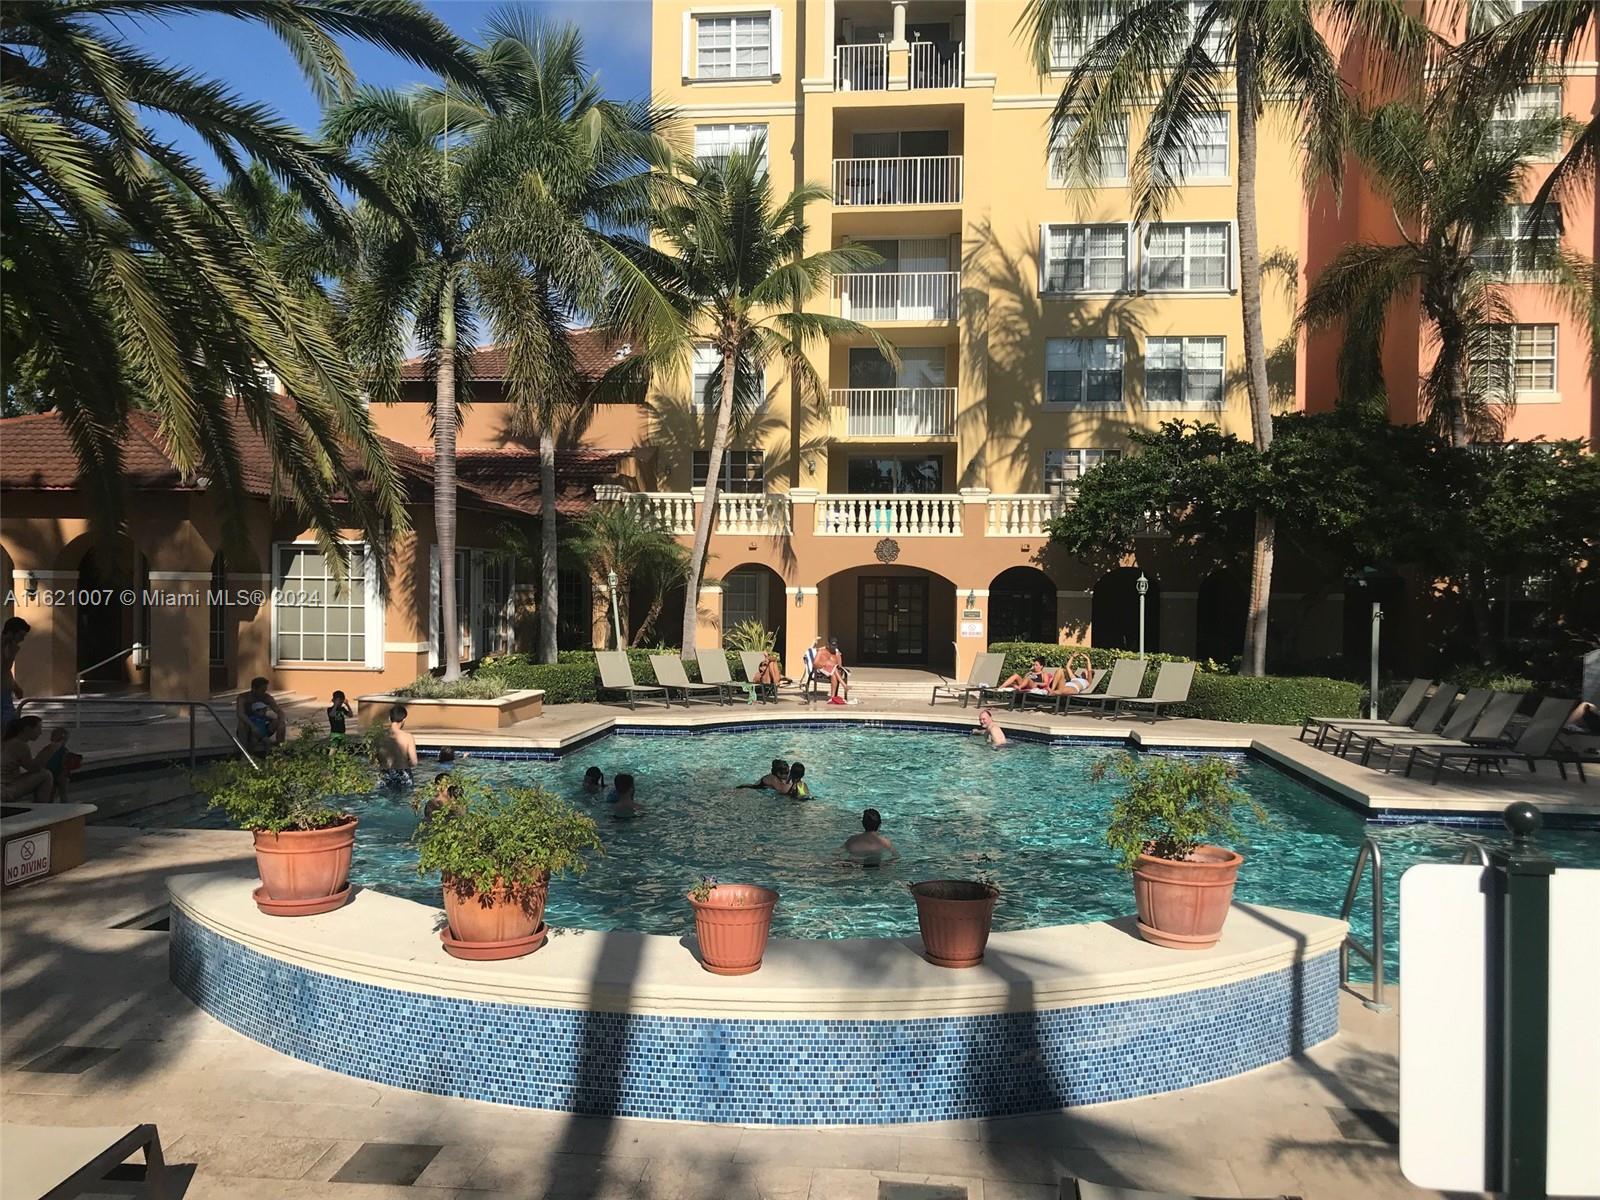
pixel 495 851
pixel 955 916
pixel 294 804
pixel 731 923
pixel 1163 827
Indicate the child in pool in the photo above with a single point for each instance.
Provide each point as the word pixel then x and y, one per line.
pixel 594 782
pixel 623 805
pixel 776 779
pixel 798 788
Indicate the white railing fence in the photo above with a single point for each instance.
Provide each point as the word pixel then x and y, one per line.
pixel 675 510
pixel 737 512
pixel 889 516
pixel 931 69
pixel 896 412
pixel 930 180
pixel 861 67
pixel 1024 515
pixel 898 295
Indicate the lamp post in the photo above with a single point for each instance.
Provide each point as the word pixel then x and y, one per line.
pixel 616 617
pixel 1364 578
pixel 1143 588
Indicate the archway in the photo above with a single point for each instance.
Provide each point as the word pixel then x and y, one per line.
pixel 113 578
pixel 1022 606
pixel 890 616
pixel 1116 611
pixel 1220 609
pixel 754 593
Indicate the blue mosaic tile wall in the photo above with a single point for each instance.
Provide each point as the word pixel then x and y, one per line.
pixel 789 1072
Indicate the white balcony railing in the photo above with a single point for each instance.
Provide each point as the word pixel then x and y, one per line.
pixel 889 516
pixel 1024 515
pixel 932 69
pixel 861 67
pixel 898 295
pixel 867 181
pixel 742 513
pixel 895 412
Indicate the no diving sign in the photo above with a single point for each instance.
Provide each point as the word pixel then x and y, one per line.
pixel 27 857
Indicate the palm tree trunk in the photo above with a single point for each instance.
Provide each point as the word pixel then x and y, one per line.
pixel 549 579
pixel 1255 352
pixel 444 484
pixel 708 506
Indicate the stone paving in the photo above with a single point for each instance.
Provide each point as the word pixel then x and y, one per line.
pixel 93 1033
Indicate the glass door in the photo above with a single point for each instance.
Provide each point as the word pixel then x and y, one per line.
pixel 894 620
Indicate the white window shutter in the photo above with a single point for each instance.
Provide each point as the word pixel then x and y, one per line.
pixel 1144 255
pixel 1044 251
pixel 1233 256
pixel 375 609
pixel 433 606
pixel 688 42
pixel 1127 266
pixel 776 48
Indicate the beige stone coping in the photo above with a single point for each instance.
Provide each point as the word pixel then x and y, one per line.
pixel 518 696
pixel 42 816
pixel 391 942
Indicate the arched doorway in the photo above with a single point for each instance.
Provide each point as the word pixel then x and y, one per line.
pixel 1116 611
pixel 116 576
pixel 754 593
pixel 1022 606
pixel 890 616
pixel 1220 609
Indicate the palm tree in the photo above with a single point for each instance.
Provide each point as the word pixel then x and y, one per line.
pixel 1183 62
pixel 731 271
pixel 132 282
pixel 1449 175
pixel 628 540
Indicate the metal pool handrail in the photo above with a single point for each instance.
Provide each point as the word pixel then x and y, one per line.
pixel 144 702
pixel 1373 955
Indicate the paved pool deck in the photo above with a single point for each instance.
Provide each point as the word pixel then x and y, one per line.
pixel 95 1034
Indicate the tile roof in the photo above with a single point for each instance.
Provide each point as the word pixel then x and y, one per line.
pixel 594 350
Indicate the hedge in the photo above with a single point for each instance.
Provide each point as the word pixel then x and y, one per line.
pixel 562 682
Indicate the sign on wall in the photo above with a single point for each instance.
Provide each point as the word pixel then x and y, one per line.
pixel 971 629
pixel 27 857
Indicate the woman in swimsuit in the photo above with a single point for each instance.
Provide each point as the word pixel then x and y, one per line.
pixel 1073 680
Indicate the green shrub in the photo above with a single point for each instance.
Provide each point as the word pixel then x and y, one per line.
pixel 638 659
pixel 562 682
pixel 1270 699
pixel 750 635
pixel 1172 805
pixel 297 786
pixel 512 837
pixel 481 685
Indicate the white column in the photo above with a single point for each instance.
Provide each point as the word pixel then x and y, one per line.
pixel 898 39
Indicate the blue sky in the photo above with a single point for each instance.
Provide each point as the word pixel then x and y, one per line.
pixel 254 64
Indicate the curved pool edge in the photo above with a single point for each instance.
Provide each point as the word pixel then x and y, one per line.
pixel 827 1033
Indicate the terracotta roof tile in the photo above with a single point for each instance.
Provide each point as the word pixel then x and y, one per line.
pixel 594 350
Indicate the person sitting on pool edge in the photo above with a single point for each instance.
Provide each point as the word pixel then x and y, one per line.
pixel 989 728
pixel 776 780
pixel 594 782
pixel 798 790
pixel 870 847
pixel 623 805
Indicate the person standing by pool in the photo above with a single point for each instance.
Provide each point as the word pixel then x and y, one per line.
pixel 990 728
pixel 11 638
pixel 870 847
pixel 397 752
pixel 338 713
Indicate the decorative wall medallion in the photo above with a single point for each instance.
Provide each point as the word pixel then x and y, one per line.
pixel 887 550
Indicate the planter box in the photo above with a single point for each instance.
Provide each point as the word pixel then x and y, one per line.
pixel 455 714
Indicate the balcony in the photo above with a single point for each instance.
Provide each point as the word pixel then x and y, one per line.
pixel 888 516
pixel 898 295
pixel 864 67
pixel 741 513
pixel 862 182
pixel 1024 515
pixel 894 412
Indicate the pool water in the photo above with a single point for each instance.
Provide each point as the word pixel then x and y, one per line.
pixel 1027 815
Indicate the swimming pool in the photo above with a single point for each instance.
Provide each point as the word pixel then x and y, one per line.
pixel 1027 815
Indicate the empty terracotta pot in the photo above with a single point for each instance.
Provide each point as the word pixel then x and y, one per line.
pixel 305 864
pixel 954 916
pixel 732 925
pixel 1183 903
pixel 504 915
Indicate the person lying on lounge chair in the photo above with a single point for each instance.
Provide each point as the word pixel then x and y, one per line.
pixel 1073 679
pixel 1037 678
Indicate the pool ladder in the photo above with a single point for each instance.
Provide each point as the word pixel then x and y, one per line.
pixel 1371 853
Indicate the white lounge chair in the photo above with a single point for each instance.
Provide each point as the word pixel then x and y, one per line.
pixel 58 1161
pixel 616 675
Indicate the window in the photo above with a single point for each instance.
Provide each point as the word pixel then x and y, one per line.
pixel 738 46
pixel 1068 46
pixel 1063 468
pixel 1539 103
pixel 741 470
pixel 1184 370
pixel 1205 153
pixel 1216 39
pixel 1083 371
pixel 714 143
pixel 316 619
pixel 1533 358
pixel 1180 258
pixel 706 362
pixel 495 634
pixel 1113 153
pixel 745 597
pixel 1085 258
pixel 1518 248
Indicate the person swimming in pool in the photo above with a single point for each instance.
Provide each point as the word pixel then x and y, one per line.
pixel 869 847
pixel 623 805
pixel 776 780
pixel 990 728
pixel 446 796
pixel 594 782
pixel 798 788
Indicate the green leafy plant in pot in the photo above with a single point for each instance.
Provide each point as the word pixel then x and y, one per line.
pixel 294 805
pixel 496 850
pixel 731 924
pixel 1163 827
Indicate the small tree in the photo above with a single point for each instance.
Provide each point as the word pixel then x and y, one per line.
pixel 1172 805
pixel 513 838
pixel 301 785
pixel 627 538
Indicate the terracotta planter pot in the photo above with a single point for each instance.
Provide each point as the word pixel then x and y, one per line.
pixel 955 916
pixel 1183 903
pixel 731 926
pixel 304 864
pixel 510 918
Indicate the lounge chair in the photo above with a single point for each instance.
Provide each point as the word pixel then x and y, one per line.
pixel 1488 730
pixel 1537 742
pixel 1460 724
pixel 1082 1189
pixel 671 675
pixel 985 673
pixel 714 670
pixel 616 675
pixel 1173 682
pixel 1123 683
pixel 1400 715
pixel 1426 721
pixel 750 660
pixel 63 1160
